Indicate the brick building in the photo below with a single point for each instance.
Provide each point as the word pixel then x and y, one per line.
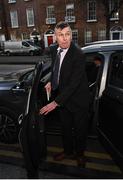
pixel 23 19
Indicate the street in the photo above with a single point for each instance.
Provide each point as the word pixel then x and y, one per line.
pixel 20 59
pixel 15 63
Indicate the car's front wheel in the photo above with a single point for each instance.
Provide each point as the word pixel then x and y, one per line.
pixel 31 53
pixel 8 126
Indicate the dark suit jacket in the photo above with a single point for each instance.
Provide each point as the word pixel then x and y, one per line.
pixel 73 86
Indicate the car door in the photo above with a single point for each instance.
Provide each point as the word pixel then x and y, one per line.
pixel 111 108
pixel 25 48
pixel 94 75
pixel 32 134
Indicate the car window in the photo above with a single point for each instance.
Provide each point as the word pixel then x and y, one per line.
pixel 31 43
pixel 93 63
pixel 116 70
pixel 27 76
pixel 25 44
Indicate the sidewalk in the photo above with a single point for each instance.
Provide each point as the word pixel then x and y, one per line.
pixel 8 171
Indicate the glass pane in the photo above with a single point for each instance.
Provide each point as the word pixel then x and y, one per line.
pixel 116 74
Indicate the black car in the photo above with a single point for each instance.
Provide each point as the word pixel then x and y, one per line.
pixel 106 104
pixel 14 88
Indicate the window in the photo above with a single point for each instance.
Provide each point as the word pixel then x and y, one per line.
pixel 112 5
pixel 50 15
pixel 88 36
pixel 70 13
pixel 25 44
pixel 30 17
pixel 94 63
pixel 11 1
pixel 50 12
pixel 70 10
pixel 14 19
pixel 116 74
pixel 91 10
pixel 101 34
pixel 75 36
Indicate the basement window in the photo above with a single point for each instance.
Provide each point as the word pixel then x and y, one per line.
pixel 11 1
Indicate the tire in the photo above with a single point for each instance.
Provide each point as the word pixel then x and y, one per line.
pixel 9 127
pixel 31 53
pixel 8 53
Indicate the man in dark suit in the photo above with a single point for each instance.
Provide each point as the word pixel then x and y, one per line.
pixel 70 95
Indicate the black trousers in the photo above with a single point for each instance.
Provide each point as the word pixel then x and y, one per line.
pixel 75 130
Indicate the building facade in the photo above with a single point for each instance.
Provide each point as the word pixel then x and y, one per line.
pixel 25 19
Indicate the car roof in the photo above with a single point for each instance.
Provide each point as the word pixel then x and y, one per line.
pixel 98 46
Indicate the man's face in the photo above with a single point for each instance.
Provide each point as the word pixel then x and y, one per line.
pixel 63 37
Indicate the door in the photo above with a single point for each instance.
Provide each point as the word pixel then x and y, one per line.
pixel 116 35
pixel 50 40
pixel 111 107
pixel 94 70
pixel 32 134
pixel 25 48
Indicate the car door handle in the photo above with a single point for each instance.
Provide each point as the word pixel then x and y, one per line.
pixel 15 90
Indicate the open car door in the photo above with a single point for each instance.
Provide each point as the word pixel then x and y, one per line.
pixel 32 134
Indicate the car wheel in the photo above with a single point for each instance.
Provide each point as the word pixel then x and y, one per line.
pixel 8 53
pixel 8 126
pixel 31 53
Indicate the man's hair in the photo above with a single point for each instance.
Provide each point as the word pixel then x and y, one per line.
pixel 61 25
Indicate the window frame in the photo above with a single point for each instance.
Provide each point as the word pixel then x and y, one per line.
pixel 14 18
pixel 50 11
pixel 30 10
pixel 88 39
pixel 70 10
pixel 116 81
pixel 91 11
pixel 101 34
pixel 11 1
pixel 115 15
pixel 75 40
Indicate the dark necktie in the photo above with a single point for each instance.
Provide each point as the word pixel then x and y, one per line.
pixel 56 70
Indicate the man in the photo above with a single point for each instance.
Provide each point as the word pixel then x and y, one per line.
pixel 71 96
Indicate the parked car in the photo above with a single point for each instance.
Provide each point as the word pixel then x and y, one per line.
pixel 14 88
pixel 21 48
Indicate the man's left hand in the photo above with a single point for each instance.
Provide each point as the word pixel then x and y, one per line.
pixel 48 108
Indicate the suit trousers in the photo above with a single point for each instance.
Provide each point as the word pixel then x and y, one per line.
pixel 75 130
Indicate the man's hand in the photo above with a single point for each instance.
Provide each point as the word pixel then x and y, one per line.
pixel 48 108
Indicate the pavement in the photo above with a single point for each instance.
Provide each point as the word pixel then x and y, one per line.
pixel 99 164
pixel 9 171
